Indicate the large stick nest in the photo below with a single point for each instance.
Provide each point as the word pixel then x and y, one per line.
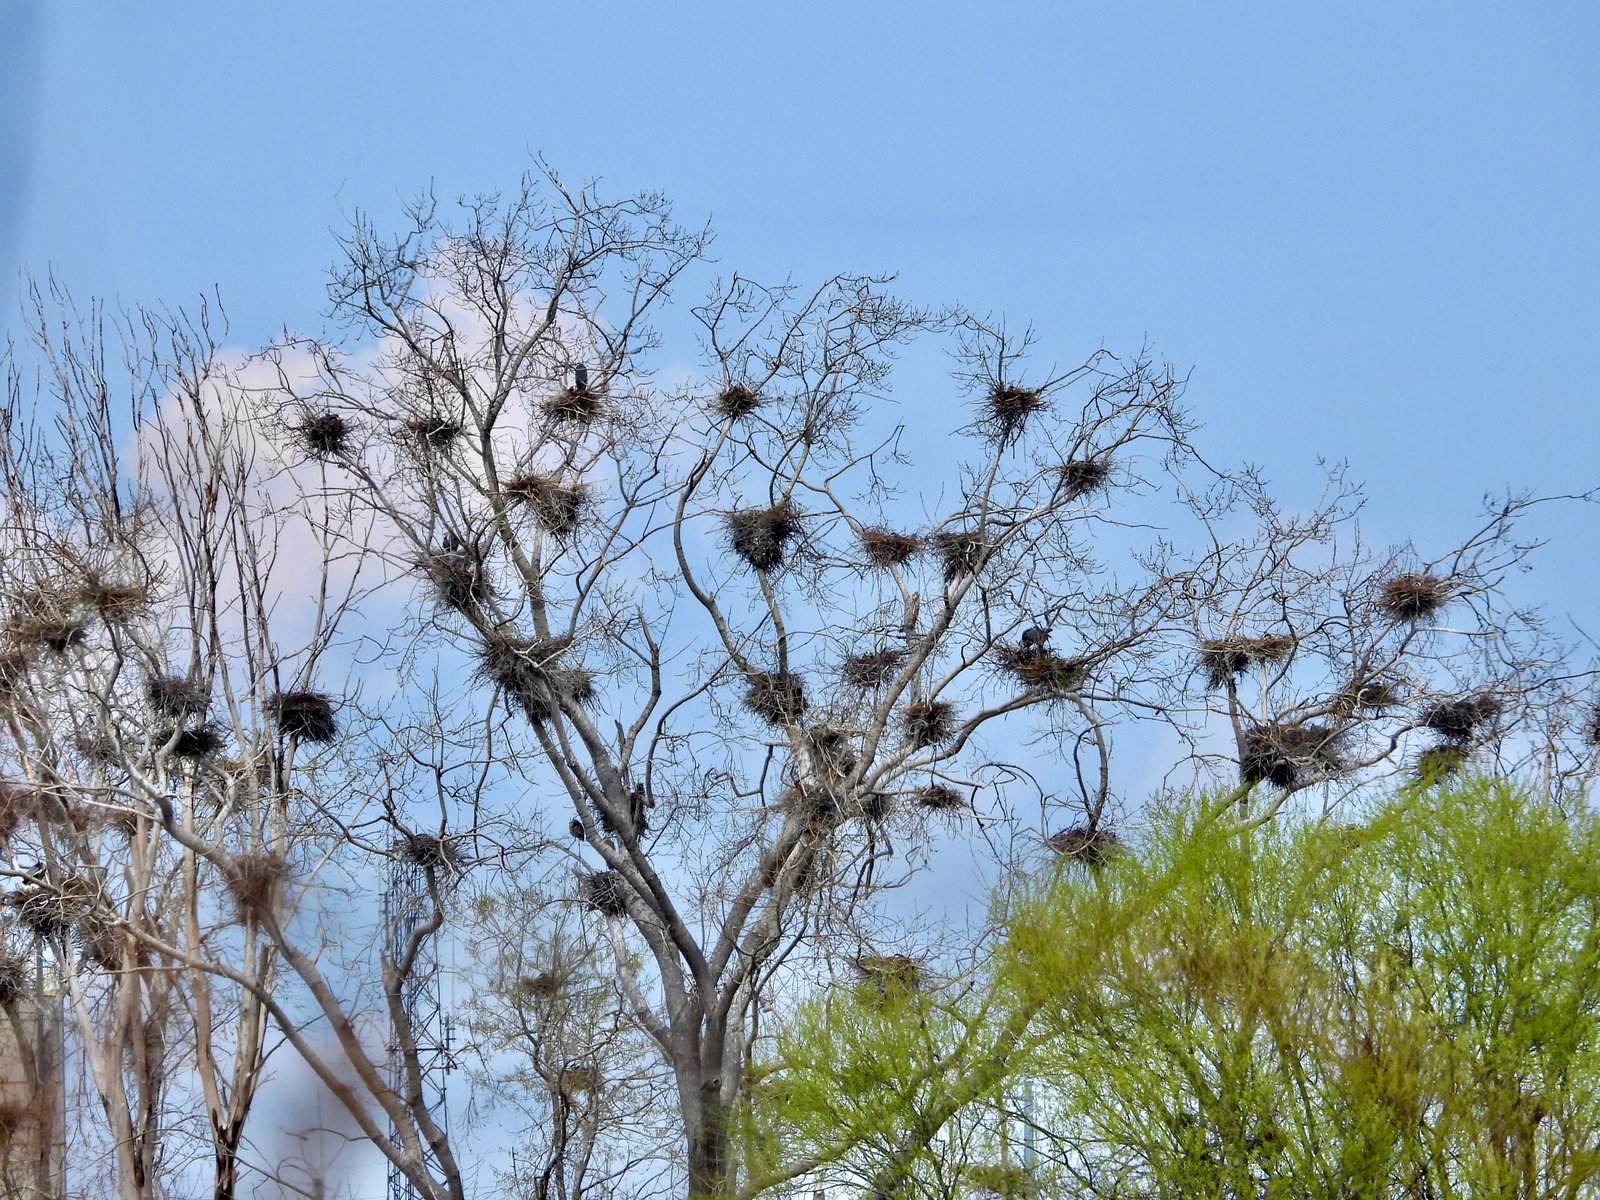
pixel 428 850
pixel 874 668
pixel 1223 659
pixel 1085 843
pixel 56 912
pixel 178 697
pixel 525 668
pixel 777 698
pixel 885 548
pixel 255 881
pixel 818 806
pixel 1442 761
pixel 457 578
pixel 56 632
pixel 112 600
pixel 888 977
pixel 324 434
pixel 195 743
pixel 1081 476
pixel 558 506
pixel 929 722
pixel 738 400
pixel 1038 669
pixel 1415 597
pixel 578 406
pixel 307 716
pixel 1289 755
pixel 938 797
pixel 434 431
pixel 1373 695
pixel 1460 720
pixel 605 892
pixel 960 552
pixel 761 536
pixel 1007 409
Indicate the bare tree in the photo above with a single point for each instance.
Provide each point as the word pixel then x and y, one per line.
pixel 702 655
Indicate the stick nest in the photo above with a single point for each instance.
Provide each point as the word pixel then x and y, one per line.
pixel 305 715
pixel 1441 761
pixel 938 797
pixel 113 601
pixel 457 578
pixel 1223 659
pixel 15 979
pixel 324 434
pixel 885 548
pixel 761 536
pixel 577 406
pixel 255 881
pixel 1040 670
pixel 55 632
pixel 193 744
pixel 1290 755
pixel 1080 477
pixel 557 506
pixel 1008 408
pixel 428 850
pixel 887 977
pixel 818 806
pixel 1373 695
pixel 929 722
pixel 737 400
pixel 57 912
pixel 1414 597
pixel 606 892
pixel 777 698
pixel 434 431
pixel 177 697
pixel 1085 843
pixel 874 668
pixel 1460 720
pixel 960 552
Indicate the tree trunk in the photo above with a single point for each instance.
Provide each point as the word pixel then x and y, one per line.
pixel 709 1174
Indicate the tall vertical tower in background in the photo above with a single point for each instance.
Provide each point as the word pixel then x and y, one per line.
pixel 404 907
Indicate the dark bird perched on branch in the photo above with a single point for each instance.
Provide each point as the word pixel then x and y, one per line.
pixel 636 807
pixel 1034 638
pixel 575 828
pixel 580 377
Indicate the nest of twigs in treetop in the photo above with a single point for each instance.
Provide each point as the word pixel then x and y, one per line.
pixel 1441 761
pixel 819 808
pixel 885 548
pixel 433 430
pixel 557 506
pixel 579 406
pixel 738 400
pixel 202 741
pixel 305 715
pixel 877 806
pixel 17 804
pixel 778 699
pixel 55 912
pixel 55 632
pixel 1009 408
pixel 427 850
pixel 13 669
pixel 1459 720
pixel 1414 597
pixel 929 722
pixel 938 797
pixel 1084 843
pixel 874 668
pixel 1289 755
pixel 605 892
pixel 581 1077
pixel 177 696
pixel 542 986
pixel 113 601
pixel 254 879
pixel 1223 659
pixel 324 434
pixel 889 976
pixel 1037 668
pixel 14 979
pixel 961 552
pixel 457 577
pixel 830 752
pixel 1371 694
pixel 1081 476
pixel 761 536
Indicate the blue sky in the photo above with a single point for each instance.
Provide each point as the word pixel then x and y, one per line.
pixel 1369 229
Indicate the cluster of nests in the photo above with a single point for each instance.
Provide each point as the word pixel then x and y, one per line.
pixel 57 617
pixel 73 909
pixel 183 701
pixel 529 672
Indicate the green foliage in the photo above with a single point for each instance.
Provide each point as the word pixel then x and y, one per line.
pixel 1404 1006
